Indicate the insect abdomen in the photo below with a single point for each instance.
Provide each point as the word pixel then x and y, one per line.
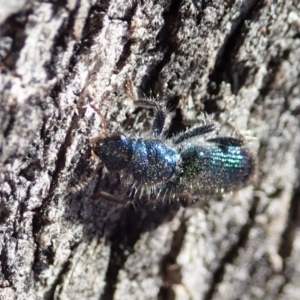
pixel 216 169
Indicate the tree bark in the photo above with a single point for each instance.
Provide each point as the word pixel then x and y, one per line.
pixel 236 61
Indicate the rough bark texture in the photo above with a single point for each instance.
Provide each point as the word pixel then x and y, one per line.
pixel 236 60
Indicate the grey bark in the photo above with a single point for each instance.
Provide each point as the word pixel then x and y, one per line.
pixel 237 61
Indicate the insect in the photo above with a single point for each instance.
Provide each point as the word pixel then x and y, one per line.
pixel 188 164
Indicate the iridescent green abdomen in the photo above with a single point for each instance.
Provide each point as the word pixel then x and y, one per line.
pixel 215 169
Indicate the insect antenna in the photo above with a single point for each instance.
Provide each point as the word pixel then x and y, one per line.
pixel 106 134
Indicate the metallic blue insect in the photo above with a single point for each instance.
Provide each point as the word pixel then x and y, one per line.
pixel 186 165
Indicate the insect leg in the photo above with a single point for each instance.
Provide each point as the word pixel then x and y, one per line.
pixel 160 116
pixel 159 122
pixel 195 132
pixel 227 141
pixel 109 197
pixel 160 113
pixel 80 186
